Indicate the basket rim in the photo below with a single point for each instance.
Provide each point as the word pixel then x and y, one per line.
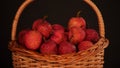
pixel 66 58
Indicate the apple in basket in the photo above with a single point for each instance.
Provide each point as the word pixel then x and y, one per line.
pixel 57 33
pixel 92 35
pixel 21 36
pixel 84 45
pixel 77 22
pixel 76 35
pixel 48 47
pixel 32 39
pixel 66 47
pixel 43 26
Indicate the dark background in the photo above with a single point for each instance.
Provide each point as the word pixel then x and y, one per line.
pixel 59 12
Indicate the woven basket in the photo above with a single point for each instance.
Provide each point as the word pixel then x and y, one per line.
pixel 90 58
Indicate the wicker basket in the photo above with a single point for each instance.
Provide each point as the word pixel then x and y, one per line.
pixel 90 58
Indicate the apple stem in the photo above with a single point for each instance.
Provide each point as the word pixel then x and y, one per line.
pixel 78 14
pixel 44 18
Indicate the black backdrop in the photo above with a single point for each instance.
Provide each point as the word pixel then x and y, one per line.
pixel 59 12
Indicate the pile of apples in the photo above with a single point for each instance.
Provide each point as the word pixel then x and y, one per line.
pixel 55 39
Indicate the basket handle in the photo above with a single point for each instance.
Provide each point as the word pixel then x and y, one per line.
pixel 99 16
pixel 16 18
pixel 27 2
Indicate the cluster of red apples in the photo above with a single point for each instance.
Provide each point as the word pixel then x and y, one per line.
pixel 55 39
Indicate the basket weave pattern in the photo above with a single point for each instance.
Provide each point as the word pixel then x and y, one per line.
pixel 90 58
pixel 93 62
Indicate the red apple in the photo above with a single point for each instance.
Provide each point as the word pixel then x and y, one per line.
pixel 57 37
pixel 76 35
pixel 36 23
pixel 45 29
pixel 48 47
pixel 85 45
pixel 77 22
pixel 58 27
pixel 43 26
pixel 21 36
pixel 32 39
pixel 58 33
pixel 92 35
pixel 66 47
